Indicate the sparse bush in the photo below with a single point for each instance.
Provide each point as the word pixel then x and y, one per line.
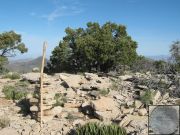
pixel 19 95
pixel 147 97
pixel 143 64
pixel 100 129
pixel 4 121
pixel 60 99
pixel 104 92
pixel 12 93
pixel 160 66
pixel 117 85
pixel 114 85
pixel 22 84
pixel 9 92
pixel 12 76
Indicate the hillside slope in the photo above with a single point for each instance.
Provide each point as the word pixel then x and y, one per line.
pixel 24 66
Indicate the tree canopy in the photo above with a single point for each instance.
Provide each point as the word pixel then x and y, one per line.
pixel 10 45
pixel 96 47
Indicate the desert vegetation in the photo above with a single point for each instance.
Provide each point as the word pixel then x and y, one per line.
pixel 95 128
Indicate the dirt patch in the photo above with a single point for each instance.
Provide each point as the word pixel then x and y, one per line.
pixel 5 102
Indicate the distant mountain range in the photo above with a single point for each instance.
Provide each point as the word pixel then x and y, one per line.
pixel 159 57
pixel 24 65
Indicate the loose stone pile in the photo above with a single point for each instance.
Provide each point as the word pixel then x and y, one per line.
pixel 34 107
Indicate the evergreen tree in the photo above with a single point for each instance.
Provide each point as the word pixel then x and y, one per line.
pixel 95 48
pixel 10 45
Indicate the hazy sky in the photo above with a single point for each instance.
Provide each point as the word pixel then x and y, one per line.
pixel 154 24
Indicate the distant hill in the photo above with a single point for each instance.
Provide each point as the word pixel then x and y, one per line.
pixel 24 65
pixel 159 57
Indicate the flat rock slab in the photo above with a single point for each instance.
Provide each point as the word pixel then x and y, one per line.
pixel 164 120
pixel 8 131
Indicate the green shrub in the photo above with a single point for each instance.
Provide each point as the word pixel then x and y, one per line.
pixel 100 129
pixel 9 92
pixel 22 84
pixel 19 95
pixel 60 99
pixel 147 97
pixel 12 93
pixel 104 92
pixel 12 76
pixel 4 121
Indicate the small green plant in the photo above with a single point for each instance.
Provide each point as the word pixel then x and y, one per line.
pixel 12 93
pixel 104 92
pixel 9 92
pixel 4 121
pixel 60 99
pixel 100 129
pixel 147 97
pixel 12 76
pixel 22 84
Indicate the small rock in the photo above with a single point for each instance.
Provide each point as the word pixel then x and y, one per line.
pixel 105 108
pixel 137 104
pixel 98 81
pixel 156 97
pixel 85 87
pixel 166 96
pixel 78 122
pixel 29 96
pixel 57 110
pixel 85 104
pixel 95 94
pixel 118 97
pixel 142 112
pixel 49 102
pixel 130 103
pixel 49 96
pixel 177 101
pixel 125 121
pixel 33 101
pixel 90 76
pixel 125 77
pixel 34 108
pixel 17 108
pixel 142 87
pixel 128 111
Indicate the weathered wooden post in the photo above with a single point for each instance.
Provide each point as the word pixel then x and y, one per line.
pixel 41 83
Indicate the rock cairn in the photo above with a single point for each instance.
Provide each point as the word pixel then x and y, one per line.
pixel 49 111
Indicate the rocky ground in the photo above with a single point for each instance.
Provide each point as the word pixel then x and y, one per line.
pixel 72 100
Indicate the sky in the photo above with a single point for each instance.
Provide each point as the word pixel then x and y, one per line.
pixel 154 24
